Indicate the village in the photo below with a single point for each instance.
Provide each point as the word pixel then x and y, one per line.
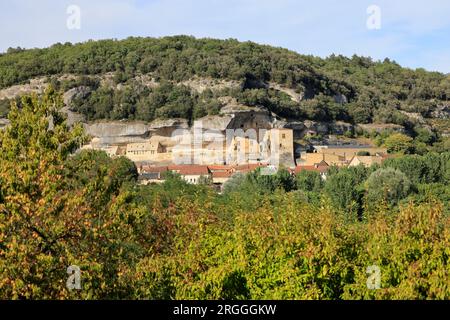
pixel 212 156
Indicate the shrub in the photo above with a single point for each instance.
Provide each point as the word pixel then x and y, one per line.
pixel 389 185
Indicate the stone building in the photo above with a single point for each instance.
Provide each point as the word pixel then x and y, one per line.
pixel 310 159
pixel 321 167
pixel 191 173
pixel 144 151
pixel 349 151
pixel 366 161
pixel 274 146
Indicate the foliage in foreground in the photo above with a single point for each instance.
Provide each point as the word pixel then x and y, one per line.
pixel 293 251
pixel 181 241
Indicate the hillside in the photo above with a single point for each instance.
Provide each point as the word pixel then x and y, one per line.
pixel 225 230
pixel 184 77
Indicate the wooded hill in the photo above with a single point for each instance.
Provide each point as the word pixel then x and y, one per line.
pixel 356 90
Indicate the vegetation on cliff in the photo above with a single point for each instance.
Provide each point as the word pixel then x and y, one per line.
pixel 353 89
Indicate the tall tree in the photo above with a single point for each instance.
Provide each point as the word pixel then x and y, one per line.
pixel 49 221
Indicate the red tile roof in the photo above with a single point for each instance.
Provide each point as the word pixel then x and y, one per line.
pixel 222 174
pixel 216 170
pixel 220 167
pixel 320 168
pixel 187 170
pixel 176 167
pixel 150 169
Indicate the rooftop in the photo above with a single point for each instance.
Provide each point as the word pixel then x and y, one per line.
pixel 151 169
pixel 186 170
pixel 222 174
pixel 220 168
pixel 320 167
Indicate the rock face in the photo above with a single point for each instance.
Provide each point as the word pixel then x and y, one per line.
pixel 256 84
pixel 298 127
pixel 108 133
pixel 381 127
pixel 316 127
pixel 219 123
pixel 340 127
pixel 252 120
pixel 414 116
pixel 76 93
pixel 165 123
pixel 302 128
pixel 295 96
pixel 201 84
pixel 121 132
pixel 116 129
pixel 37 85
pixel 117 132
pixel 72 117
pixel 340 98
pixel 442 112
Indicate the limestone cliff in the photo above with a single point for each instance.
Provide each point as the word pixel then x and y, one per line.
pixel 233 115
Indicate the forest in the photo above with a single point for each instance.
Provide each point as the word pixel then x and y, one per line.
pixel 264 237
pixel 355 89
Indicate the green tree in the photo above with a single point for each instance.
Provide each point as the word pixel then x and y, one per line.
pixel 344 188
pixel 398 143
pixel 389 185
pixel 425 135
pixel 309 181
pixel 285 180
pixel 53 216
pixel 234 183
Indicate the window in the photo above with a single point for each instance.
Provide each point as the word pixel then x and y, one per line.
pixel 283 136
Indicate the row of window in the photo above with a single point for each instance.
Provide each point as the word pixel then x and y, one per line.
pixel 139 152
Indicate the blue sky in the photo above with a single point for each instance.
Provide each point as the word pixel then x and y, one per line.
pixel 414 33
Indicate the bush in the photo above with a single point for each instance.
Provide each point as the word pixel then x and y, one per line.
pixel 309 181
pixel 399 143
pixel 389 185
pixel 345 190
